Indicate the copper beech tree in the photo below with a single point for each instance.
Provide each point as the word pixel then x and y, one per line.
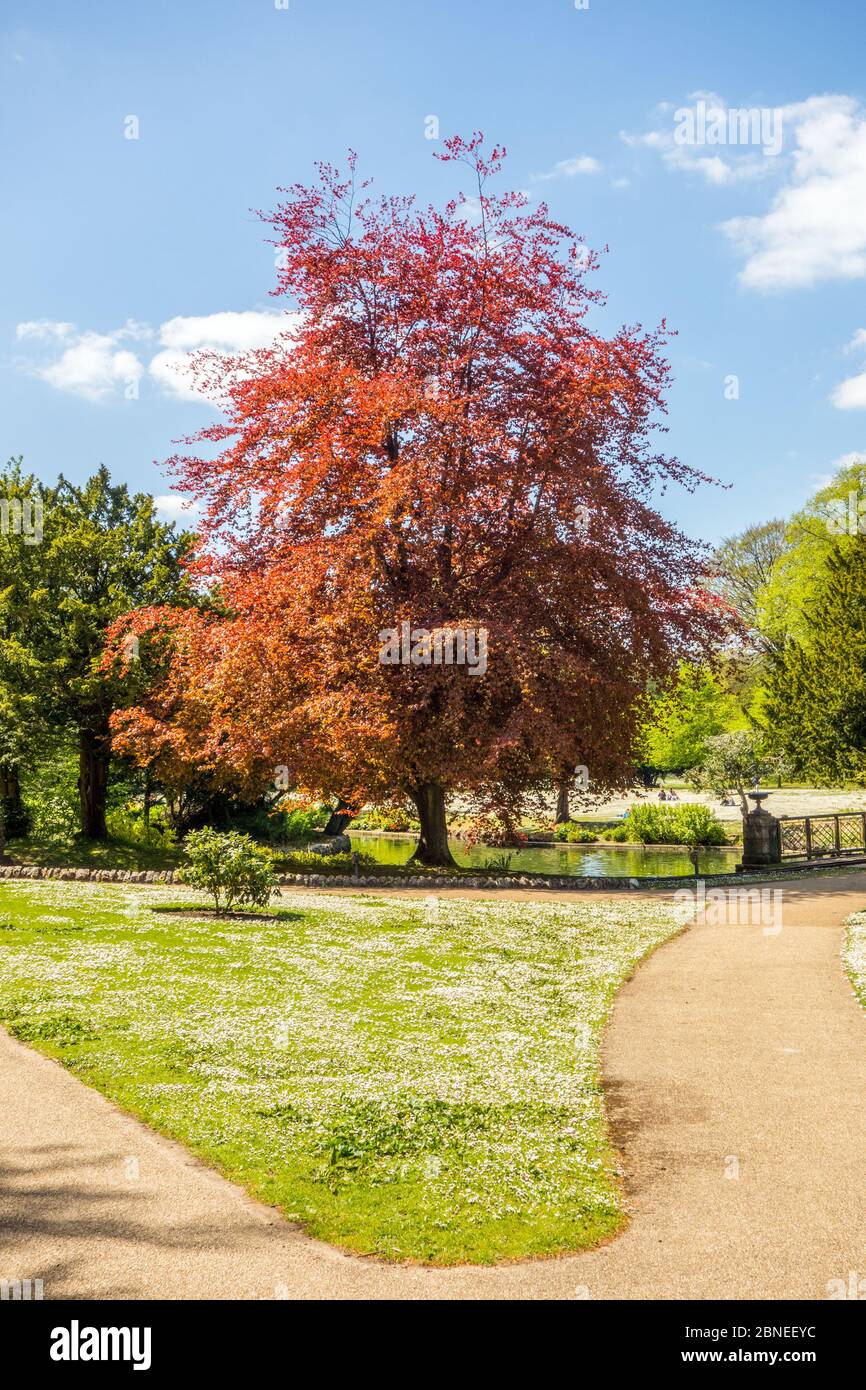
pixel 440 440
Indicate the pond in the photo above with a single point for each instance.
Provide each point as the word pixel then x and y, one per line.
pixel 593 861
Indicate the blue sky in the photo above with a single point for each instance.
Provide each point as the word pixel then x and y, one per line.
pixel 122 254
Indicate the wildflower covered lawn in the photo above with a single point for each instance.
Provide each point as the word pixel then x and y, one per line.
pixel 414 1079
pixel 855 954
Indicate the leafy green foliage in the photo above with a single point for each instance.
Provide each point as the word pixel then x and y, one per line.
pixel 386 818
pixel 746 565
pixel 733 762
pixel 230 867
pixel 127 826
pixel 816 699
pixel 302 823
pixel 683 718
pixel 688 824
pixel 100 553
pixel 574 834
pixel 618 835
pixel 49 776
pixel 302 861
pixel 827 527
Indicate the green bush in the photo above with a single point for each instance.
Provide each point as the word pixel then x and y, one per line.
pixel 127 826
pixel 698 825
pixel 303 824
pixel 49 787
pixel 231 867
pixel 689 824
pixel 619 835
pixel 302 861
pixel 386 818
pixel 574 834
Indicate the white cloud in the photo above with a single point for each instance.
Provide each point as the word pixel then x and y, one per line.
pixel 816 228
pixel 568 169
pixel 94 365
pixel 228 332
pixel 850 394
pixel 43 328
pixel 175 507
pixel 692 136
pixel 98 366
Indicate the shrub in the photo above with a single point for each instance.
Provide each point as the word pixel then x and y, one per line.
pixel 304 822
pixel 127 826
pixel 574 834
pixel 230 867
pixel 303 861
pixel 698 825
pixel 387 818
pixel 689 824
pixel 277 826
pixel 619 835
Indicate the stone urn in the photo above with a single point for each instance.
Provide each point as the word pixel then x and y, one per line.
pixel 762 836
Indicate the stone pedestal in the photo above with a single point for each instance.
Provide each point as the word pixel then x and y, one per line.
pixel 762 837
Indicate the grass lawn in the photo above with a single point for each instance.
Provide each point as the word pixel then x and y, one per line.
pixel 414 1080
pixel 94 854
pixel 855 954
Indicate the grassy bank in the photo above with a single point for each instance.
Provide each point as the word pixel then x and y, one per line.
pixel 414 1080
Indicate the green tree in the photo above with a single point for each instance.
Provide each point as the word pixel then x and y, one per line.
pixel 815 706
pixel 681 720
pixel 833 520
pixel 15 724
pixel 96 553
pixel 733 762
pixel 746 564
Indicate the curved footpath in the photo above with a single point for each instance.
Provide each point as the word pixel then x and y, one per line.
pixel 735 1070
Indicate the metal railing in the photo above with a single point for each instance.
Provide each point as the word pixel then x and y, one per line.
pixel 814 837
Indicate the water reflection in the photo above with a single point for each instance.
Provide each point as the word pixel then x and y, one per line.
pixel 632 861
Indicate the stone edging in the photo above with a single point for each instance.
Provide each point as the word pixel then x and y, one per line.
pixel 547 883
pixel 36 871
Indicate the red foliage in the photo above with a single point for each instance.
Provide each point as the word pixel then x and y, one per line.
pixel 440 438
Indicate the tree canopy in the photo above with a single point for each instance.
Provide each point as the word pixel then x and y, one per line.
pixel 690 711
pixel 100 553
pixel 816 698
pixel 439 439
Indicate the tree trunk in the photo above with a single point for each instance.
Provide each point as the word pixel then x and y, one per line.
pixel 340 818
pixel 10 791
pixel 563 811
pixel 94 757
pixel 432 848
